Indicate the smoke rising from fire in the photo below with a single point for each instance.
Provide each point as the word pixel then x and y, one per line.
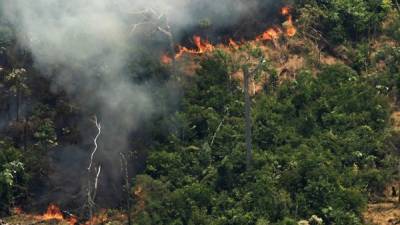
pixel 84 47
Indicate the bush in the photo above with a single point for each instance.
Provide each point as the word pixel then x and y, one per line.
pixel 13 178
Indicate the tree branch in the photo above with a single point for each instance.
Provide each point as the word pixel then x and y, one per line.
pixel 92 192
pixel 98 126
pixel 218 128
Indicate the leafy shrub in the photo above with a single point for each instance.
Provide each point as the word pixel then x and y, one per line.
pixel 13 178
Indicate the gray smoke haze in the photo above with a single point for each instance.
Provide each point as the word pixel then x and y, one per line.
pixel 90 41
pixel 84 46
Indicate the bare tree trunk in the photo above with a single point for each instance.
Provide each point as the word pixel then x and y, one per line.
pixel 398 182
pixel 25 134
pixel 92 191
pixel 247 112
pixel 218 128
pixel 168 32
pixel 18 101
pixel 124 164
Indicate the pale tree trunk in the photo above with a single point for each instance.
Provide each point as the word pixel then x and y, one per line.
pixel 398 193
pixel 18 96
pixel 92 170
pixel 247 113
pixel 124 168
pixel 168 32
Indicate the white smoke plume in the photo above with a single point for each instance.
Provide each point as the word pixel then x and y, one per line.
pixel 84 47
pixel 89 40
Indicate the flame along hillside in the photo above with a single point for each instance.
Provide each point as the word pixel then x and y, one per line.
pixel 204 46
pixel 54 215
pixel 279 44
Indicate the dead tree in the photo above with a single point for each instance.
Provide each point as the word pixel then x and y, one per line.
pixel 399 182
pixel 247 116
pixel 159 22
pixel 124 169
pixel 219 127
pixel 93 173
pixel 247 75
pixel 168 32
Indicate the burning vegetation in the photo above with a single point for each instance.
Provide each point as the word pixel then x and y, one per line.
pixel 53 212
pixel 204 46
pixel 54 215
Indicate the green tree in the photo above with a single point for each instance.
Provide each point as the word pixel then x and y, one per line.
pixel 13 177
pixel 17 82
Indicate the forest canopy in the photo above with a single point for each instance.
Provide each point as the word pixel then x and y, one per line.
pixel 165 125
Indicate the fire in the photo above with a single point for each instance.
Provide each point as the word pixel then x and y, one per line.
pixel 285 11
pixel 233 43
pixel 165 59
pixel 290 28
pixel 17 211
pixel 54 213
pixel 269 35
pixel 204 46
pixel 98 219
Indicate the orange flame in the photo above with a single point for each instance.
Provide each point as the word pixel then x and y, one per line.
pixel 165 59
pixel 98 219
pixel 233 43
pixel 285 11
pixel 17 211
pixel 202 47
pixel 290 28
pixel 54 213
pixel 271 34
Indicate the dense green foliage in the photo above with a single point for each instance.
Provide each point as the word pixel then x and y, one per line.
pixel 12 176
pixel 323 142
pixel 342 20
pixel 318 145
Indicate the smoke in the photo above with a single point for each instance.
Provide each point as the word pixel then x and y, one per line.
pixel 85 47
